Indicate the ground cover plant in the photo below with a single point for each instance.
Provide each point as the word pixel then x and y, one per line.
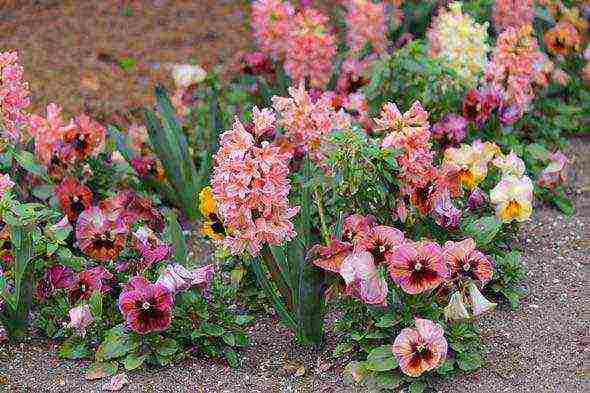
pixel 373 165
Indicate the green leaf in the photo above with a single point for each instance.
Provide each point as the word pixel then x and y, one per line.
pixel 213 330
pixel 134 361
pixel 243 319
pixel 483 230
pixel 387 321
pixel 232 358
pixel 100 370
pixel 117 343
pixel 229 339
pixel 564 204
pixel 342 348
pixel 388 380
pixel 96 304
pixel 469 361
pixel 177 238
pixel 74 348
pixel 242 339
pixel 447 367
pixel 417 387
pixel 167 347
pixel 381 359
pixel 29 163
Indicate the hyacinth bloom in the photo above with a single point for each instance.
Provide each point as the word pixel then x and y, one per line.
pixel 99 236
pixel 512 13
pixel 272 22
pixel 311 49
pixel 80 319
pixel 459 43
pixel 186 75
pixel 56 277
pixel 363 280
pixel 306 121
pixel 150 247
pixel 555 174
pixel 365 24
pixel 85 283
pixel 6 184
pixel 513 197
pixel 14 96
pixel 453 127
pixel 251 187
pixel 418 267
pixel 514 66
pixel 464 260
pixel 176 278
pixel 479 104
pixel 563 39
pixel 74 198
pixel 420 349
pixel 510 164
pixel 472 161
pixel 146 307
pixel 381 242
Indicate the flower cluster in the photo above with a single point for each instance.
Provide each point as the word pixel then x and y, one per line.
pixel 513 67
pixel 14 96
pixel 459 42
pixel 272 24
pixel 250 185
pixel 512 13
pixel 366 24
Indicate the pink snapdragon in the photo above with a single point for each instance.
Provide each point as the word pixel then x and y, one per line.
pixel 366 24
pixel 512 13
pixel 272 22
pixel 14 96
pixel 251 187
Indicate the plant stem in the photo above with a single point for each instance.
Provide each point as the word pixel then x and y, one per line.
pixel 318 201
pixel 277 277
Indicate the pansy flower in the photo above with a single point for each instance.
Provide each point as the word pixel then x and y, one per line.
pixel 356 227
pixel 99 236
pixel 132 208
pixel 55 277
pixel 150 247
pixel 472 161
pixel 212 225
pixel 555 174
pixel 74 197
pixel 85 283
pixel 513 197
pixel 562 39
pixel 330 257
pixel 363 280
pixel 85 139
pixel 146 307
pixel 418 267
pixel 148 167
pixel 510 164
pixel 446 214
pixel 381 242
pixel 464 260
pixel 80 319
pixel 420 349
pixel 478 105
pixel 176 278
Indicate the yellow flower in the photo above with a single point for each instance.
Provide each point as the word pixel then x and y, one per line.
pixel 472 161
pixel 212 225
pixel 513 197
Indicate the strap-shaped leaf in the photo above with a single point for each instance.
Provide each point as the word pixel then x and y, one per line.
pixel 177 238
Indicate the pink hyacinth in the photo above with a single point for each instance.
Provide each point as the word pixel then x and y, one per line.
pixel 6 184
pixel 272 22
pixel 251 187
pixel 512 13
pixel 418 267
pixel 366 24
pixel 513 67
pixel 146 307
pixel 420 349
pixel 311 49
pixel 14 96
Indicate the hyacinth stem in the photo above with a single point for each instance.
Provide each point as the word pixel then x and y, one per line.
pixel 277 277
pixel 320 205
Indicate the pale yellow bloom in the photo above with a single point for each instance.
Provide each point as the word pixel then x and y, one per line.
pixel 513 197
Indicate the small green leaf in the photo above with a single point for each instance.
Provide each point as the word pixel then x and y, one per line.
pixel 213 330
pixel 229 339
pixel 134 361
pixel 469 361
pixel 100 370
pixel 387 321
pixel 381 359
pixel 96 304
pixel 232 358
pixel 74 348
pixel 483 230
pixel 417 387
pixel 29 163
pixel 243 319
pixel 564 204
pixel 342 348
pixel 167 347
pixel 388 380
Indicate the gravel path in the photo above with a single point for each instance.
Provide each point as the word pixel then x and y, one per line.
pixel 540 348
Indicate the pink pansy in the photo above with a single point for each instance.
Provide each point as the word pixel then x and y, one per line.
pixel 555 174
pixel 381 242
pixel 80 319
pixel 176 278
pixel 251 186
pixel 477 199
pixel 418 267
pixel 510 164
pixel 363 280
pixel 85 283
pixel 151 248
pixel 6 184
pixel 99 236
pixel 132 208
pixel 56 277
pixel 453 127
pixel 146 307
pixel 464 260
pixel 420 349
pixel 330 257
pixel 356 227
